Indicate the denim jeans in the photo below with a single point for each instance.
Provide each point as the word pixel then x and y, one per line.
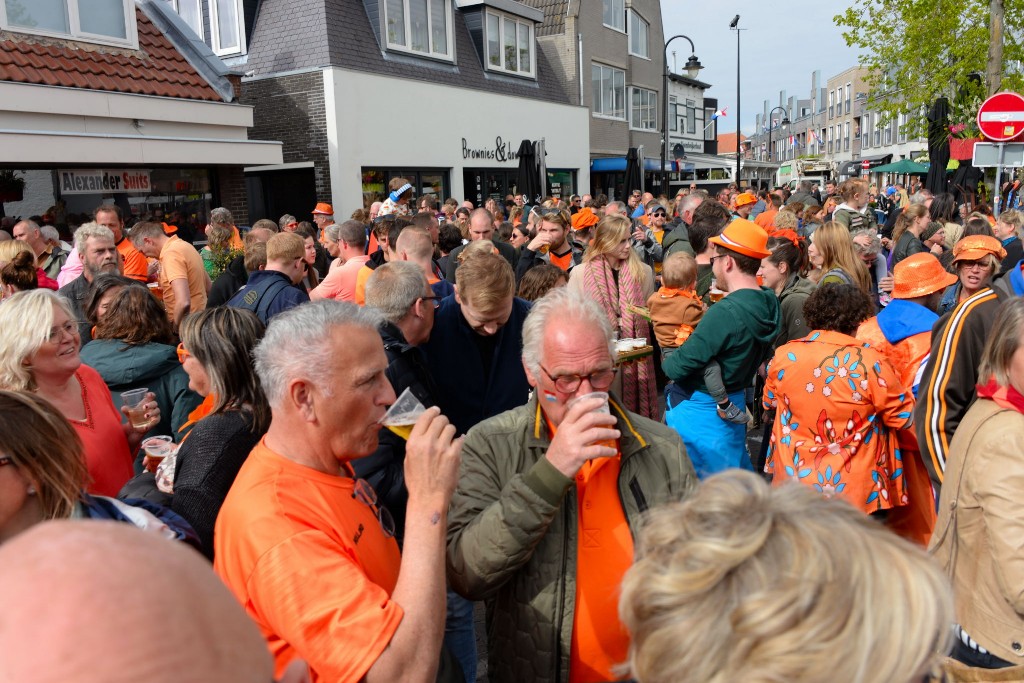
pixel 460 634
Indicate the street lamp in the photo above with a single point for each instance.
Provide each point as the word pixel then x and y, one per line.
pixel 693 67
pixel 734 25
pixel 784 122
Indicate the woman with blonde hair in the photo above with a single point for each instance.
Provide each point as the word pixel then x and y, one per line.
pixel 218 252
pixel 614 276
pixel 742 582
pixel 839 262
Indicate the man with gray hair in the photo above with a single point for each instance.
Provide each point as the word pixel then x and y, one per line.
pixel 48 259
pixel 399 291
pixel 98 251
pixel 549 497
pixel 803 194
pixel 678 239
pixel 306 547
pixel 615 209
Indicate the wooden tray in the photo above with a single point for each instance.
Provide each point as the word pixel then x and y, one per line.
pixel 634 354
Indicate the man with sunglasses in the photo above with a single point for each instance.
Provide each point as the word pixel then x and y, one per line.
pixel 549 496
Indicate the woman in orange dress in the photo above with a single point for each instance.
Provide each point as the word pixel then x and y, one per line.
pixel 839 404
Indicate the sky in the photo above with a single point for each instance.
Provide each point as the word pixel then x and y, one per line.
pixel 780 47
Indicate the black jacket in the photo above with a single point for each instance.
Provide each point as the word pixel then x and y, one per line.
pixel 677 239
pixel 510 253
pixel 228 283
pixel 384 469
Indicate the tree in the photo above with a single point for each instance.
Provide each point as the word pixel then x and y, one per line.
pixel 917 50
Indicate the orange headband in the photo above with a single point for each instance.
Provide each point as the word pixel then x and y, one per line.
pixel 788 234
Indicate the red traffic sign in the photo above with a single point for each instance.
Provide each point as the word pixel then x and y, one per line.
pixel 865 164
pixel 1001 117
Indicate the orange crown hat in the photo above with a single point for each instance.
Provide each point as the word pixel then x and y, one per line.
pixel 584 218
pixel 324 209
pixel 920 275
pixel 977 247
pixel 169 229
pixel 744 237
pixel 745 198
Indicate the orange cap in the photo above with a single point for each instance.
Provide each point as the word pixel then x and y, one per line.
pixel 584 218
pixel 324 209
pixel 977 247
pixel 744 237
pixel 745 198
pixel 920 275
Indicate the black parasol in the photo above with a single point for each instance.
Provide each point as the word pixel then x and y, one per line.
pixel 634 174
pixel 938 146
pixel 528 175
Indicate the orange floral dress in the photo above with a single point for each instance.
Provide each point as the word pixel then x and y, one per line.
pixel 839 403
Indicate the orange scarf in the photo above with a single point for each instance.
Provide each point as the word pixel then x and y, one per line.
pixel 201 411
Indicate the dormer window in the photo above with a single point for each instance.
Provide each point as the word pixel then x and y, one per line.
pixel 509 44
pixel 110 22
pixel 422 27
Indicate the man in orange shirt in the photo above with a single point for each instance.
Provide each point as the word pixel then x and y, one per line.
pixel 549 496
pixel 304 546
pixel 135 264
pixel 184 283
pixel 414 245
pixel 340 283
pixel 766 219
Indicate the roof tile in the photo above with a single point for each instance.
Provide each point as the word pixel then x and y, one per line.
pixel 156 68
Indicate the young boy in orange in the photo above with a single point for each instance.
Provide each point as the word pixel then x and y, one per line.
pixel 675 311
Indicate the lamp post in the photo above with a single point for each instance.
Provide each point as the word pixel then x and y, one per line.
pixel 784 122
pixel 734 25
pixel 693 67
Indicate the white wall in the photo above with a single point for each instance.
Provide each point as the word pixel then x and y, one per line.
pixel 384 121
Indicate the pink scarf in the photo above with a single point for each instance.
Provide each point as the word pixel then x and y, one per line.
pixel 638 390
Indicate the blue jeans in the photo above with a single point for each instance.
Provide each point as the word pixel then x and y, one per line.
pixel 460 634
pixel 712 443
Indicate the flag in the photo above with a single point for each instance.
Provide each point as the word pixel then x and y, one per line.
pixel 792 141
pixel 718 113
pixel 817 138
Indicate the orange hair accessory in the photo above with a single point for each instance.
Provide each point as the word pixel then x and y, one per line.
pixel 788 234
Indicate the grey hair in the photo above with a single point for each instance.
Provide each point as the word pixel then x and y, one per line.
pixel 49 233
pixel 806 185
pixel 689 203
pixel 876 244
pixel 562 303
pixel 285 220
pixel 221 216
pixel 297 344
pixel 25 321
pixel 620 207
pixel 394 287
pixel 921 196
pixel 91 229
pixel 333 232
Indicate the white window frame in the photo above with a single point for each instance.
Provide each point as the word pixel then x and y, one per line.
pixel 75 32
pixel 619 5
pixel 198 4
pixel 652 104
pixel 218 49
pixel 520 25
pixel 631 21
pixel 625 92
pixel 430 54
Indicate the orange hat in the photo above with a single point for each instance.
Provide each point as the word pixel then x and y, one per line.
pixel 977 247
pixel 745 198
pixel 744 237
pixel 169 229
pixel 584 218
pixel 323 209
pixel 920 275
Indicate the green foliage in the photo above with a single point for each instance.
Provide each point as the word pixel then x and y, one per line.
pixel 10 181
pixel 917 50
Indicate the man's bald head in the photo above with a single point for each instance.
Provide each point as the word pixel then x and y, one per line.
pixel 130 606
pixel 416 244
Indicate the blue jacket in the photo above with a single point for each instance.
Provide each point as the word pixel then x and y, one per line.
pixel 286 298
pixel 465 397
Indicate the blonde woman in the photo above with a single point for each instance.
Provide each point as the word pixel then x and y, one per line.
pixel 614 276
pixel 217 253
pixel 839 262
pixel 742 582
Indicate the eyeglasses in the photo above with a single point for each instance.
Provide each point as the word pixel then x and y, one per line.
pixel 183 355
pixel 659 213
pixel 548 212
pixel 70 327
pixel 364 493
pixel 435 300
pixel 599 379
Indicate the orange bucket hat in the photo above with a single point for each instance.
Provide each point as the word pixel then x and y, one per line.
pixel 920 275
pixel 324 209
pixel 744 237
pixel 977 247
pixel 745 198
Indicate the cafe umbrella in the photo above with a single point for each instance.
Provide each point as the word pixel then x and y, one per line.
pixel 938 146
pixel 528 174
pixel 634 172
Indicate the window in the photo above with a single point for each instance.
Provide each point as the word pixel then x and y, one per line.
pixel 673 114
pixel 191 12
pixel 847 98
pixel 691 118
pixel 846 136
pixel 420 26
pixel 609 90
pixel 638 33
pixel 643 110
pixel 615 14
pixel 509 44
pixel 711 132
pixel 831 104
pixel 95 21
pixel 226 27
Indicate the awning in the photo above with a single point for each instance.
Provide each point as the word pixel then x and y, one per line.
pixel 851 168
pixel 613 164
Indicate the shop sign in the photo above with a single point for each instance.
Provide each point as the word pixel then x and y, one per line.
pixel 92 181
pixel 502 151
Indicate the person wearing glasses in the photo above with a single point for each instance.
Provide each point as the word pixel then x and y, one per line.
pixel 647 240
pixel 549 497
pixel 304 545
pixel 551 245
pixel 39 352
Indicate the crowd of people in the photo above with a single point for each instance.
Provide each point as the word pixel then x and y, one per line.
pixel 370 426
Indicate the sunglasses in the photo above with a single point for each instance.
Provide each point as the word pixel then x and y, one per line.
pixel 659 213
pixel 183 355
pixel 364 493
pixel 550 212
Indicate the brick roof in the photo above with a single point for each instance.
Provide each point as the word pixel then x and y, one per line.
pixel 156 68
pixel 727 142
pixel 554 15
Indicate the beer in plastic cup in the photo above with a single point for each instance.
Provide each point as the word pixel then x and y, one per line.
pixel 133 400
pixel 605 408
pixel 402 415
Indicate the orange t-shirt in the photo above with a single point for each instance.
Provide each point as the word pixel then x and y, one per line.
pixel 135 264
pixel 361 277
pixel 310 564
pixel 604 551
pixel 766 219
pixel 180 260
pixel 107 456
pixel 340 283
pixel 564 261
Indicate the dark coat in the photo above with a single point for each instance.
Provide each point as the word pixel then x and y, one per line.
pixel 227 284
pixel 286 298
pixel 510 253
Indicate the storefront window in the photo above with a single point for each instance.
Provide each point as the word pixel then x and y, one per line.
pixel 424 181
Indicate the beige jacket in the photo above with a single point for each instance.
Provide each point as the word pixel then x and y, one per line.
pixel 979 536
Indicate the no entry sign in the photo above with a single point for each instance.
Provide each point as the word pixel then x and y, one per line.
pixel 1001 117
